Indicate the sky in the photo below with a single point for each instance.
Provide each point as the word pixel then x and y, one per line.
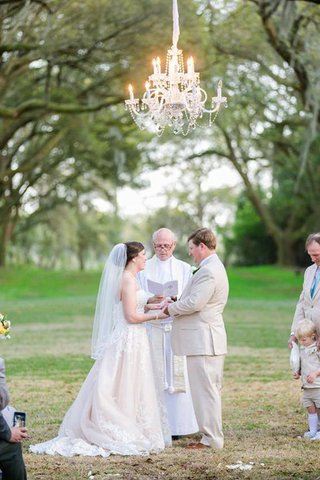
pixel 132 202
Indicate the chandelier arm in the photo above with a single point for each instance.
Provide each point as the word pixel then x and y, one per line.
pixel 213 110
pixel 176 29
pixel 135 111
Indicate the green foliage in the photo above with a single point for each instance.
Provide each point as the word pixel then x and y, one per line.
pixel 65 236
pixel 63 75
pixel 63 72
pixel 267 54
pixel 250 243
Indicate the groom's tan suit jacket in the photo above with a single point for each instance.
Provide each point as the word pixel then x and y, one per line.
pixel 199 327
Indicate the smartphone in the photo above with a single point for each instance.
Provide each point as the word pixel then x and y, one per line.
pixel 19 419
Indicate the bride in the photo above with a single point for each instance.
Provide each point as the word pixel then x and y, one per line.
pixel 118 409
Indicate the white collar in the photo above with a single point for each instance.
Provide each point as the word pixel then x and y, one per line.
pixel 164 262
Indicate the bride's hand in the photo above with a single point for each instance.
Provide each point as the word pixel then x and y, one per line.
pixel 153 306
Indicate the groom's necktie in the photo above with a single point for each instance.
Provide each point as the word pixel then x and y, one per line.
pixel 315 282
pixel 195 271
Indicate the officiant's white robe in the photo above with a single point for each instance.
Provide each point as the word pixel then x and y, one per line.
pixel 173 369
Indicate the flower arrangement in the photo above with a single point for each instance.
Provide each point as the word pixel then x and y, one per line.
pixel 5 326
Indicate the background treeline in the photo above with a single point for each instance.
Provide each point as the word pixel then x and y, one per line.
pixel 66 143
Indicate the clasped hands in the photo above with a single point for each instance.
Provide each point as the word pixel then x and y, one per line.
pixel 159 302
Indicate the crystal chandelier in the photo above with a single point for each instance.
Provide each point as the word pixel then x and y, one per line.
pixel 173 98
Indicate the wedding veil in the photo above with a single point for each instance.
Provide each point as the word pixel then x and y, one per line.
pixel 107 325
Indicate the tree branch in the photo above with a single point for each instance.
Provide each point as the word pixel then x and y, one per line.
pixel 52 107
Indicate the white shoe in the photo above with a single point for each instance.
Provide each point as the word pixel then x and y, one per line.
pixel 316 436
pixel 309 435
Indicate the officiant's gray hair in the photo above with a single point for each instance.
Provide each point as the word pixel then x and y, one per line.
pixel 164 230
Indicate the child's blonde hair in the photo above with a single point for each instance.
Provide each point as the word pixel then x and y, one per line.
pixel 305 328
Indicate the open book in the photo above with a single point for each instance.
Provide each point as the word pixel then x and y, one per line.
pixel 167 289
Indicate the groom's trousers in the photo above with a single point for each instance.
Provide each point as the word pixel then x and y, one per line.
pixel 205 376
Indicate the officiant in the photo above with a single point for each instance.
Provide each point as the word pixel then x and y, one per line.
pixel 161 268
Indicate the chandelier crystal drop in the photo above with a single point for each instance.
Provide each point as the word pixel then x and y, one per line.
pixel 173 98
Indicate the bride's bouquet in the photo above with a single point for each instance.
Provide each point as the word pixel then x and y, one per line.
pixel 5 326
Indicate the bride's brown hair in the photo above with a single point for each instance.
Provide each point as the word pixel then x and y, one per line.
pixel 133 249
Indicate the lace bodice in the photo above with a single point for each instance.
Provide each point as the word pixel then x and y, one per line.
pixel 142 298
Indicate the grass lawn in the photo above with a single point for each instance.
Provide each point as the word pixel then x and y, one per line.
pixel 48 358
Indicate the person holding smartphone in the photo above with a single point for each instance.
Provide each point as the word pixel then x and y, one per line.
pixel 11 459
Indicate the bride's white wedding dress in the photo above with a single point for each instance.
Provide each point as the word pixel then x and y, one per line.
pixel 118 409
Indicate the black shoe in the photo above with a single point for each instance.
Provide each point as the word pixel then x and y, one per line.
pixel 176 437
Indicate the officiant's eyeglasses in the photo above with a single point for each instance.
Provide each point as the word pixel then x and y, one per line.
pixel 165 246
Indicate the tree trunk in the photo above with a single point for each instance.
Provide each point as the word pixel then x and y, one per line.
pixel 7 226
pixel 80 256
pixel 2 252
pixel 285 250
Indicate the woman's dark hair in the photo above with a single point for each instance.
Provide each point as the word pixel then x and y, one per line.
pixel 133 249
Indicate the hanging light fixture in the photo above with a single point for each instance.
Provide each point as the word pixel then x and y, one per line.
pixel 173 98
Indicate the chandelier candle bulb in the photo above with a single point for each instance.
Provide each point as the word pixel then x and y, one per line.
pixel 190 65
pixel 158 66
pixel 147 85
pixel 219 88
pixel 131 92
pixel 171 67
pixel 154 63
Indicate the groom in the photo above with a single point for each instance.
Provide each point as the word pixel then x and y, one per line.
pixel 199 334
